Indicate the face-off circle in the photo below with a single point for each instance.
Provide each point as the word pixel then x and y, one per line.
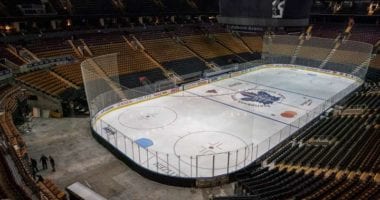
pixel 205 144
pixel 145 118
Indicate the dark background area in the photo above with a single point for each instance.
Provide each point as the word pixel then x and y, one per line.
pixel 294 9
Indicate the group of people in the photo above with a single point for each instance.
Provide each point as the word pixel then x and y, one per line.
pixel 44 160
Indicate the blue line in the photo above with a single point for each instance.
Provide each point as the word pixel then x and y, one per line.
pixel 280 89
pixel 255 88
pixel 241 109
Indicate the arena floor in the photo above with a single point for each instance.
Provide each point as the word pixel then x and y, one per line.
pixel 79 157
pixel 229 115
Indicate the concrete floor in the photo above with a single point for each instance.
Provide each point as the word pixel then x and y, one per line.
pixel 80 158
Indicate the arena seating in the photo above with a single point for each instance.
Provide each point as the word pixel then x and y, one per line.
pixel 166 50
pixel 101 38
pixel 173 56
pixel 209 49
pixel 365 33
pixel 187 30
pixel 180 6
pixel 231 42
pixel 206 47
pixel 51 48
pixel 129 60
pixel 150 35
pixel 318 147
pixel 71 72
pixel 133 7
pixel 213 28
pixel 186 66
pixel 92 7
pixel 9 56
pixel 44 81
pixel 3 70
pixel 349 55
pixel 376 62
pixel 283 184
pixel 254 42
pixel 359 32
pixel 373 75
pixel 132 80
pixel 313 53
pixel 327 30
pixel 17 147
pixel 368 100
pixel 7 180
pixel 283 50
pixel 147 6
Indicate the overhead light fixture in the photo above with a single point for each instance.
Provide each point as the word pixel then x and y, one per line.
pixel 8 28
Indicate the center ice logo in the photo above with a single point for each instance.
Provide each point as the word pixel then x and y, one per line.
pixel 258 98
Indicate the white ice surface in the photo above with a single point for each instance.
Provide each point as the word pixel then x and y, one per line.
pixel 212 119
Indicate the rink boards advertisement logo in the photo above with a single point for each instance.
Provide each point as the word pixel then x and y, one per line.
pixel 258 98
pixel 278 7
pixel 193 85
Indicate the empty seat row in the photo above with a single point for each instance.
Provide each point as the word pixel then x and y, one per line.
pixel 71 72
pixel 44 81
pixel 128 59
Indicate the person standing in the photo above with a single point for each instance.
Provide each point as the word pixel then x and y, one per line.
pixel 52 163
pixel 40 178
pixel 44 160
pixel 34 165
pixel 34 174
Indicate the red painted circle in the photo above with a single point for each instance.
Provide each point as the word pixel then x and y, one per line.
pixel 288 114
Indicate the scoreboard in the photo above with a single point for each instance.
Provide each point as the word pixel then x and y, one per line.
pixel 265 13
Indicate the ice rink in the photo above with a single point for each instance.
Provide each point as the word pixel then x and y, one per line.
pixel 189 133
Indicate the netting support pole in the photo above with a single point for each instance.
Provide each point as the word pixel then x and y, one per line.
pixel 179 165
pixel 213 165
pixel 167 163
pixel 101 129
pixel 157 160
pixel 138 148
pixel 236 163
pixel 257 151
pixel 196 166
pixel 125 145
pixel 228 162
pixel 116 140
pixel 245 155
pixel 251 152
pixel 133 151
pixel 191 165
pixel 147 158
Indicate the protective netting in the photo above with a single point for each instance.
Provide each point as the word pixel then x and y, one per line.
pixel 346 56
pixel 103 79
